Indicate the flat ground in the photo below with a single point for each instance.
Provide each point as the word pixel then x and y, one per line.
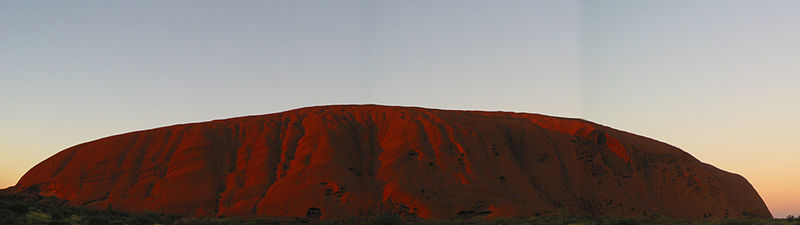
pixel 26 210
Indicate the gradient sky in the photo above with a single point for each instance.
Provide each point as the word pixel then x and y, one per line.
pixel 715 78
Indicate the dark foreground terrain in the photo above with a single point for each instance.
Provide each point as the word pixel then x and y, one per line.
pixel 16 209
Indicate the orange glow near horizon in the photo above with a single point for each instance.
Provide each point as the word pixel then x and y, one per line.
pixel 715 78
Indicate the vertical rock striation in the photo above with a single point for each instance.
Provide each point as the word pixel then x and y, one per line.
pixel 361 160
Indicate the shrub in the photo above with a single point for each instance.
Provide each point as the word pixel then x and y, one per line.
pixel 59 222
pixel 626 222
pixel 386 220
pixel 97 220
pixel 144 218
pixel 17 207
pixel 7 216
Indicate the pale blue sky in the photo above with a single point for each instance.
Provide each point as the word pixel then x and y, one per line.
pixel 715 78
pixel 718 79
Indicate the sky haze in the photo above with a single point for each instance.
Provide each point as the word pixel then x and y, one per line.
pixel 714 78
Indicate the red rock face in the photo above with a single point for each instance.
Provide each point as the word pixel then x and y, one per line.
pixel 351 161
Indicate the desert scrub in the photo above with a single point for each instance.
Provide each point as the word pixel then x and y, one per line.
pixel 23 210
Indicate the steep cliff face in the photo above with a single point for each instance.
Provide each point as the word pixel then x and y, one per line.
pixel 346 161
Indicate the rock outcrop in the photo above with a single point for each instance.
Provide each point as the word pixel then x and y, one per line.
pixel 362 160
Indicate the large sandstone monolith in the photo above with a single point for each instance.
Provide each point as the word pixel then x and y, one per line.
pixel 363 160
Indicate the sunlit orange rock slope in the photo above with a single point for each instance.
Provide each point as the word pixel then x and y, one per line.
pixel 362 160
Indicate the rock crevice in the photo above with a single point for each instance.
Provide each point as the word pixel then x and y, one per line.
pixel 361 160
